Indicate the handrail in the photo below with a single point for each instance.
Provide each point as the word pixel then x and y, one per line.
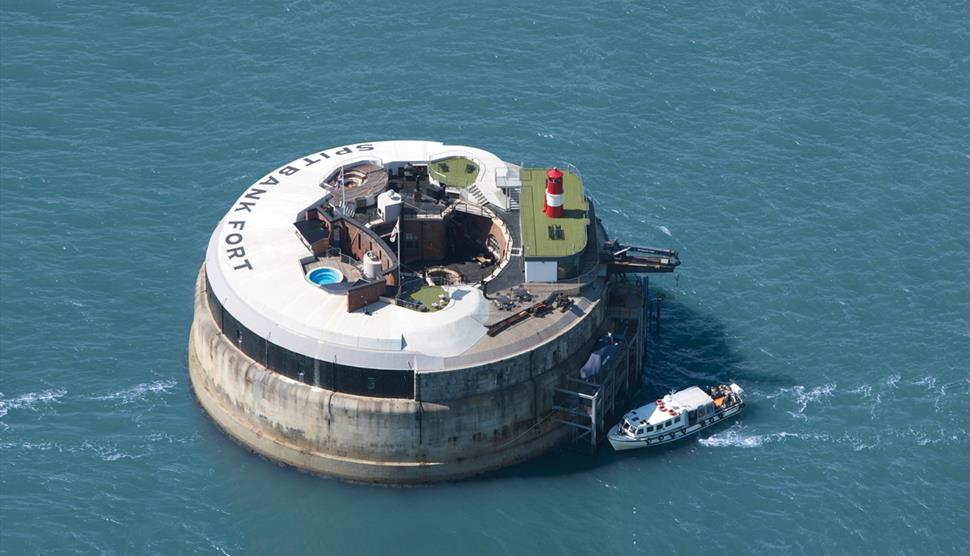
pixel 346 259
pixel 572 168
pixel 457 153
pixel 471 208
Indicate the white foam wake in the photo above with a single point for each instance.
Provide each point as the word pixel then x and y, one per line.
pixel 805 396
pixel 735 437
pixel 31 400
pixel 139 391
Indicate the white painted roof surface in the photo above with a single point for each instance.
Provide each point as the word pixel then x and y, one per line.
pixel 649 414
pixel 275 300
pixel 687 399
pixel 692 398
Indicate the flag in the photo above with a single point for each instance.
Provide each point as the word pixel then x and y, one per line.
pixel 340 179
pixel 395 231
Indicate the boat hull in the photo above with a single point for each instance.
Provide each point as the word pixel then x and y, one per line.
pixel 622 442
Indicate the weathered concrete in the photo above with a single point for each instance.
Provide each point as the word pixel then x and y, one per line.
pixel 463 421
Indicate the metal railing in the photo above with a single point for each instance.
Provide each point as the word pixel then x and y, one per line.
pixel 455 153
pixel 470 208
pixel 508 176
pixel 335 252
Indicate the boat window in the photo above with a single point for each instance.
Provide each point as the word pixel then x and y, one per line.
pixel 640 430
pixel 650 428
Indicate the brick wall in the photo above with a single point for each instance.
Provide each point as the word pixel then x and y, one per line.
pixel 432 240
pixel 360 297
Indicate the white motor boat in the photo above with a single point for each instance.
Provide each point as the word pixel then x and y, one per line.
pixel 676 415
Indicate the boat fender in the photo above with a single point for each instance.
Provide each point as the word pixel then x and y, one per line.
pixel 672 412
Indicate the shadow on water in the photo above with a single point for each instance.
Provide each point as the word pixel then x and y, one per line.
pixel 696 348
pixel 692 348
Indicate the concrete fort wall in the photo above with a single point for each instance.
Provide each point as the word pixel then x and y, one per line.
pixel 462 422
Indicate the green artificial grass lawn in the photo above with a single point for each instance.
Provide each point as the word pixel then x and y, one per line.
pixel 535 224
pixel 454 171
pixel 426 295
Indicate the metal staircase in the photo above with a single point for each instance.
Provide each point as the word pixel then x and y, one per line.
pixel 514 198
pixel 346 208
pixel 591 406
pixel 509 180
pixel 475 193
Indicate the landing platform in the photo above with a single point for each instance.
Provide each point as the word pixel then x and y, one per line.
pixel 537 241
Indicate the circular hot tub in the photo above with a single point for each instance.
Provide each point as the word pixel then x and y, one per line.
pixel 325 276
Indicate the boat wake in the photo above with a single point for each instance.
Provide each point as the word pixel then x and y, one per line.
pixel 803 396
pixel 139 392
pixel 32 400
pixel 735 437
pixel 131 448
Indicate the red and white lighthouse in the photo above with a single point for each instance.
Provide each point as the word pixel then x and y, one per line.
pixel 553 204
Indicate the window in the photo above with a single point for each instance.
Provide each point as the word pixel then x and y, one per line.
pixel 410 241
pixel 650 428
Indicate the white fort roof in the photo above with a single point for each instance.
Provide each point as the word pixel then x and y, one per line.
pixel 253 266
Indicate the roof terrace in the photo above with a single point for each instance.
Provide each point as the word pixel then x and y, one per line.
pixel 552 238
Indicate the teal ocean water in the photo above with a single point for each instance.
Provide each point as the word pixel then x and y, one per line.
pixel 811 161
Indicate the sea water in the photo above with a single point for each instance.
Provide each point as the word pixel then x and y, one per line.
pixel 810 161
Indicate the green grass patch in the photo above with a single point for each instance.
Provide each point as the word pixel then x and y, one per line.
pixel 536 240
pixel 426 295
pixel 456 171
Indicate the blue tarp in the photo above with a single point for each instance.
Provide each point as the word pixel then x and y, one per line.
pixel 597 360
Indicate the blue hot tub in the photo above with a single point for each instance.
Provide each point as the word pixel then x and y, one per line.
pixel 325 276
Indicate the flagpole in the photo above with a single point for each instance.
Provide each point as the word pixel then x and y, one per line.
pixel 400 234
pixel 343 194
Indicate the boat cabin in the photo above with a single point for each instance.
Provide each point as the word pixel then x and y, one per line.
pixel 670 414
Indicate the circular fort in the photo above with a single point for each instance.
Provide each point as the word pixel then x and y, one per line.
pixel 410 311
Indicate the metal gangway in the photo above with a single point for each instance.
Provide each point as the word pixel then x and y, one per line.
pixel 623 259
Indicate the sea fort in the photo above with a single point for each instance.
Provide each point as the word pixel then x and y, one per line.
pixel 411 311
